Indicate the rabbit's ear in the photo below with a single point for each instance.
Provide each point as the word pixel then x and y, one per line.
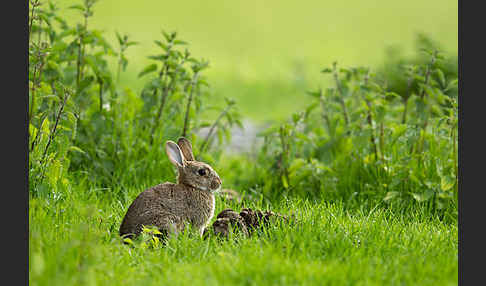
pixel 186 148
pixel 174 154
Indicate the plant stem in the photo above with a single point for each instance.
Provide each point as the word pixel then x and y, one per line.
pixel 284 155
pixel 427 73
pixel 341 93
pixel 186 120
pixel 426 121
pixel 36 83
pixel 118 73
pixel 405 107
pixel 369 118
pixel 421 139
pixel 412 147
pixel 34 5
pixel 36 79
pixel 51 135
pixel 39 34
pixel 83 47
pixel 32 93
pixel 434 202
pixel 165 92
pixel 370 123
pixel 120 60
pixel 100 82
pixel 324 115
pixel 454 153
pixel 405 101
pixel 53 131
pixel 78 62
pixel 382 141
pixel 213 126
pixel 37 136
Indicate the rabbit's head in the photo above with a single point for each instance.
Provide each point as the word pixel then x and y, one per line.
pixel 192 173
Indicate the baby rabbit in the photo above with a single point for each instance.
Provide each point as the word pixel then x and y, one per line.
pixel 170 206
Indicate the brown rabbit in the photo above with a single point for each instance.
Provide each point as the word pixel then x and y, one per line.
pixel 170 206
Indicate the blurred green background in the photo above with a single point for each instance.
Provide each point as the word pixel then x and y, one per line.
pixel 267 53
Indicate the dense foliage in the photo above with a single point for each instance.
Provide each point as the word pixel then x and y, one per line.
pixel 369 138
pixel 84 126
pixel 387 135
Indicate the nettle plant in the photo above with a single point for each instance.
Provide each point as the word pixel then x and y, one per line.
pixel 68 76
pixel 179 90
pixel 52 113
pixel 80 118
pixel 362 139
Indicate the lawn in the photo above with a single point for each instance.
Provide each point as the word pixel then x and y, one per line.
pixel 74 241
pixel 365 161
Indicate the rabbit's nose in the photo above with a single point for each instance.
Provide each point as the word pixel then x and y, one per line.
pixel 216 183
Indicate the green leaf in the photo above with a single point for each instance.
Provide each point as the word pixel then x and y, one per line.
pixel 204 124
pixel 77 149
pixel 309 109
pixel 296 117
pixel 397 131
pixel 156 231
pixel 239 124
pixel 422 197
pixel 155 241
pixel 160 44
pixel 316 94
pixel 429 90
pixel 229 101
pixel 119 37
pixel 227 134
pixel 284 182
pixel 179 42
pixel 167 36
pixel 220 134
pixel 390 195
pixel 38 264
pixel 203 82
pixel 375 87
pixel 380 112
pixel 419 78
pixel 77 7
pixel 441 76
pixel 391 95
pixel 421 106
pixel 268 131
pixel 451 84
pixel 158 57
pixel 148 69
pixel 446 183
pixel 296 164
pixel 85 82
pixel 128 240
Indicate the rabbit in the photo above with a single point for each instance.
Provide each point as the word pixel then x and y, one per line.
pixel 226 218
pixel 169 206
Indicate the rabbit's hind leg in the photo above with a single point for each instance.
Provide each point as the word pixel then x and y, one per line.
pixel 168 224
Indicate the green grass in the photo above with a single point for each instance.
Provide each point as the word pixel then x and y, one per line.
pixel 74 241
pixel 382 217
pixel 262 52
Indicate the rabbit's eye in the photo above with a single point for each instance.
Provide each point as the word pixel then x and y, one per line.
pixel 201 172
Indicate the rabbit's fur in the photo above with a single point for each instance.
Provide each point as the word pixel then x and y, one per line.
pixel 170 206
